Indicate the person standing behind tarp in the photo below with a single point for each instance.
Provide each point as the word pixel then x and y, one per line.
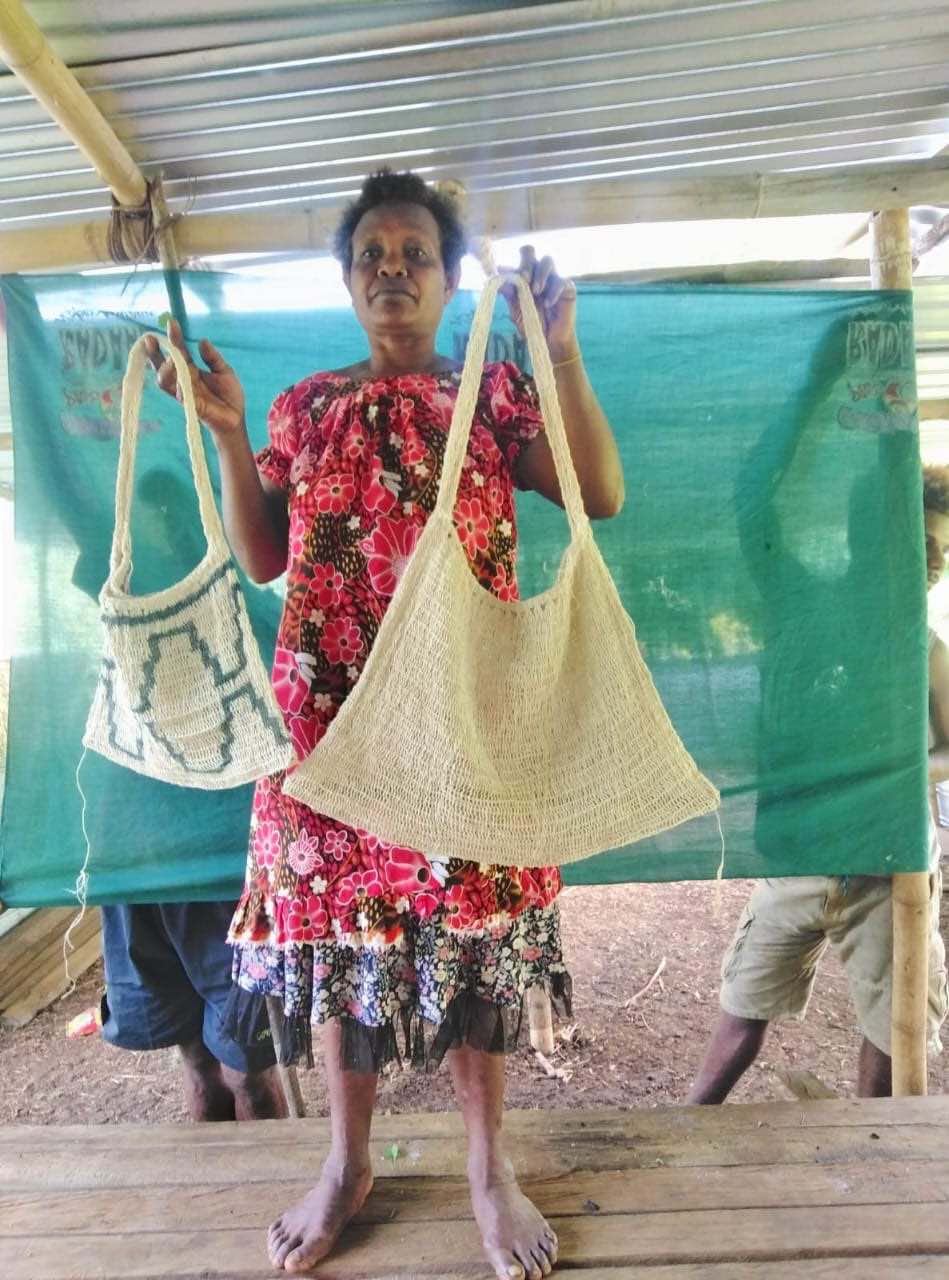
pixel 168 978
pixel 787 924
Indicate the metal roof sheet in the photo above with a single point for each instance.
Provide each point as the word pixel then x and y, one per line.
pixel 244 106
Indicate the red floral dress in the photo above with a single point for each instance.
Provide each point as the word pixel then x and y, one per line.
pixel 360 462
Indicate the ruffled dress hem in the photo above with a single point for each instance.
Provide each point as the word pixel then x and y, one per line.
pixel 406 1038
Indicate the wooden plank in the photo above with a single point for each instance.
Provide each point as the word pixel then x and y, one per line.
pixel 10 917
pixel 47 956
pixel 48 966
pixel 625 1124
pixel 408 1198
pixel 804 1085
pixel 54 984
pixel 400 1249
pixel 30 938
pixel 885 1268
pixel 53 1167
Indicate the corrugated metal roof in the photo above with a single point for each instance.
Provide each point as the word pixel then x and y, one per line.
pixel 273 106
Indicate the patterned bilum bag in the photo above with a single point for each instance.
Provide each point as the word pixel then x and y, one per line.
pixel 183 694
pixel 525 732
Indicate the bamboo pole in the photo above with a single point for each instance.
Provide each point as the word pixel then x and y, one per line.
pixel 296 1106
pixel 760 272
pixel 624 201
pixel 891 257
pixel 540 1020
pixel 26 52
pixel 891 267
pixel 910 983
pixel 168 254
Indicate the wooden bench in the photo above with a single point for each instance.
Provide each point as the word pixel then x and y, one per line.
pixel 828 1190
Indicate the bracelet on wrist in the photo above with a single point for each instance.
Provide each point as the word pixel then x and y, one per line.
pixel 562 364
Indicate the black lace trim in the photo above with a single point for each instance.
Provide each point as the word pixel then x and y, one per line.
pixel 406 1038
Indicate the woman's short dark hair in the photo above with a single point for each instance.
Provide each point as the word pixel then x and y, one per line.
pixel 386 187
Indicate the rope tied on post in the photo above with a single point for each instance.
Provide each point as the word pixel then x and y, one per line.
pixel 135 232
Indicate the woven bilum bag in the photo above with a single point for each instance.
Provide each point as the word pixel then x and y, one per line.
pixel 523 732
pixel 183 694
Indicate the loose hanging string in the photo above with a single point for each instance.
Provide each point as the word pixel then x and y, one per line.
pixel 80 891
pixel 760 197
pixel 720 871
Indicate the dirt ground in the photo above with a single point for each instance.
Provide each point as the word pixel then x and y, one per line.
pixel 611 1055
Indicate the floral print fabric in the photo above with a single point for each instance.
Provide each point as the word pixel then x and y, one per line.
pixel 438 986
pixel 360 462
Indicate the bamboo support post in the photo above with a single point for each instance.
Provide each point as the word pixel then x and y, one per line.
pixel 168 253
pixel 910 983
pixel 290 1080
pixel 508 212
pixel 891 257
pixel 891 266
pixel 26 52
pixel 540 1020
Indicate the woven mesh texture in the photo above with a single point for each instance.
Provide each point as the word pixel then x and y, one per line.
pixel 528 732
pixel 183 695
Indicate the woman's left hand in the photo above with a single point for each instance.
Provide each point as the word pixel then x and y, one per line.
pixel 556 301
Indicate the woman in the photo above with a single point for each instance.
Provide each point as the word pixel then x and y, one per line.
pixel 355 935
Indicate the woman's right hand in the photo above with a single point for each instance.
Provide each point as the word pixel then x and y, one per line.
pixel 218 394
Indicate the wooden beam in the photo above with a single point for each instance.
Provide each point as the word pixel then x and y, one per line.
pixel 764 272
pixel 933 410
pixel 26 52
pixel 516 211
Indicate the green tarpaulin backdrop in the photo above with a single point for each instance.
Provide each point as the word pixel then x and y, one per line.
pixel 770 552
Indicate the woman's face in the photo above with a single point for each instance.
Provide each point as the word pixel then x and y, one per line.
pixel 397 281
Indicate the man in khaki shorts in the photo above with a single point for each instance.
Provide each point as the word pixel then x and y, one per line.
pixel 788 923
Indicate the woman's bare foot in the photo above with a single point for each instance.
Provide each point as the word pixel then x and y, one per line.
pixel 307 1231
pixel 517 1239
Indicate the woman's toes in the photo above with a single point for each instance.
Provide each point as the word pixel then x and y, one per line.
pixel 542 1260
pixel 506 1266
pixel 279 1244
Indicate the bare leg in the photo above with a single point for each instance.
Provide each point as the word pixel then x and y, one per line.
pixel 206 1093
pixel 258 1095
pixel 307 1232
pixel 517 1240
pixel 874 1072
pixel 735 1044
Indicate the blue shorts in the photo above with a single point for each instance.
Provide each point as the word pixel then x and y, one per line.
pixel 168 980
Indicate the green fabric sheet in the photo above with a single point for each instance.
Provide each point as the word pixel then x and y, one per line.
pixel 770 553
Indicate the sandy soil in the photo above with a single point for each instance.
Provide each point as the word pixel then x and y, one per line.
pixel 613 1054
